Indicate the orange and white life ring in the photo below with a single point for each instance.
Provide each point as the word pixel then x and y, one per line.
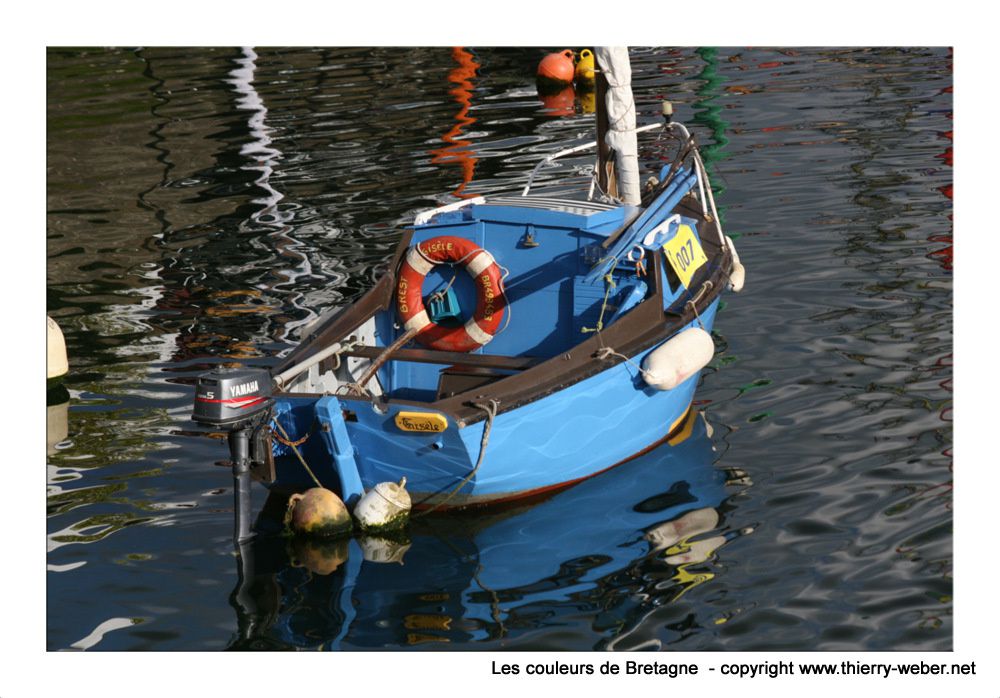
pixel 490 300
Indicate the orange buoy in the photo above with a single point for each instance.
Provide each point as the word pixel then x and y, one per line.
pixel 557 67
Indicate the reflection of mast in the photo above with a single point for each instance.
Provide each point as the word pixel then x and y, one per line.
pixel 241 78
pixel 263 159
pixel 457 151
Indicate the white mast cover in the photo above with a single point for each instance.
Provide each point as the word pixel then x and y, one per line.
pixel 614 62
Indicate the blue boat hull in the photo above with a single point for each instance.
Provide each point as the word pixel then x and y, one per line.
pixel 547 444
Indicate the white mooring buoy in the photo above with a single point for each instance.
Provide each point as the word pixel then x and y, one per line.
pixel 387 505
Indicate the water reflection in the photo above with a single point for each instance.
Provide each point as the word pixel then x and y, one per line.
pixel 494 578
pixel 457 150
pixel 56 418
pixel 709 113
pixel 558 102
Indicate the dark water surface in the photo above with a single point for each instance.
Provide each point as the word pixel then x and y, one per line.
pixel 202 204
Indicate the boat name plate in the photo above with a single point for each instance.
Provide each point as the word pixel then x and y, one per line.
pixel 422 422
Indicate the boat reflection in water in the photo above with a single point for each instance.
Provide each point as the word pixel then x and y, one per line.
pixel 608 552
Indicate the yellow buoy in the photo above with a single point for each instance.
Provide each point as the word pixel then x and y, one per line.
pixel 585 68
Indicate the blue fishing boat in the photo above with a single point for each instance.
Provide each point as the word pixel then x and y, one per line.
pixel 514 345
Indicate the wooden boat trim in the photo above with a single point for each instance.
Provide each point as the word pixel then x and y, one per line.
pixel 431 356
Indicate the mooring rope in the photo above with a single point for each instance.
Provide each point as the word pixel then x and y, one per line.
pixel 490 408
pixel 693 303
pixel 607 352
pixel 282 440
pixel 288 441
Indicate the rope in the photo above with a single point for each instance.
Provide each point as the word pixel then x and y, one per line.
pixel 607 352
pixel 293 444
pixel 438 295
pixel 711 201
pixel 609 283
pixel 347 346
pixel 490 408
pixel 503 292
pixel 296 451
pixel 693 303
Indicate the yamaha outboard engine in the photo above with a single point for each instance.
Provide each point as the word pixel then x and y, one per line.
pixel 232 397
pixel 239 401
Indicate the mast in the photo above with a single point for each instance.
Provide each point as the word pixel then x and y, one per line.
pixel 616 113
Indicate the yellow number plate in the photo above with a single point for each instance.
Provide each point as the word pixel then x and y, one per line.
pixel 421 421
pixel 684 254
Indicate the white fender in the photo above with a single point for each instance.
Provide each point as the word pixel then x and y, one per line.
pixel 732 248
pixel 738 277
pixel 56 365
pixel 678 359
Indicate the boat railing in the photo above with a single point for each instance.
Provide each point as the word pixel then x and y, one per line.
pixel 569 151
pixel 425 216
pixel 706 197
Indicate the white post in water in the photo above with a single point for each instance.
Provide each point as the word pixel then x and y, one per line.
pixel 614 63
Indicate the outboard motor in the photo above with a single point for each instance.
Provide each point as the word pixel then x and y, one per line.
pixel 238 400
pixel 232 397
